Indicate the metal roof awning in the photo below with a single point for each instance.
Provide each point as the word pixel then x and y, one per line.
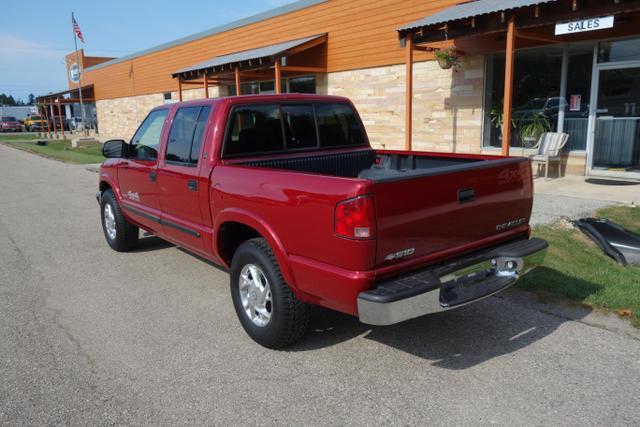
pixel 263 56
pixel 53 96
pixel 482 17
pixel 469 10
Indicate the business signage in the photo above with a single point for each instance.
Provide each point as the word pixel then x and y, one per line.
pixel 592 24
pixel 74 73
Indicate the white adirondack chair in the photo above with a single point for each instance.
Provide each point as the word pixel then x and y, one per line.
pixel 549 147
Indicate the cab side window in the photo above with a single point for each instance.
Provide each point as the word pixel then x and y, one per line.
pixel 254 129
pixel 146 141
pixel 186 135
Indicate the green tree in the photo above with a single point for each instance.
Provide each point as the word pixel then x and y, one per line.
pixel 7 100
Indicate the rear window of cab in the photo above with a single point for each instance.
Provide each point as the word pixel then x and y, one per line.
pixel 280 128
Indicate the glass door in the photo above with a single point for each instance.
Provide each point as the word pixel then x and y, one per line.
pixel 616 136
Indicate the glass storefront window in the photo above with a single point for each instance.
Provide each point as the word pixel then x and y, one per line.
pixel 536 96
pixel 619 50
pixel 538 104
pixel 578 97
pixel 305 84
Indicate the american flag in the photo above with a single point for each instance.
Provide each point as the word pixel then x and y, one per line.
pixel 76 29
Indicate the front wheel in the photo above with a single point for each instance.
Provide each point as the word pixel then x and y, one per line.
pixel 120 234
pixel 267 308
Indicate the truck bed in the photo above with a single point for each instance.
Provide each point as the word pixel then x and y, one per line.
pixel 377 166
pixel 429 204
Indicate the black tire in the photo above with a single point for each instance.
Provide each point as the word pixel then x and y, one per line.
pixel 289 316
pixel 126 234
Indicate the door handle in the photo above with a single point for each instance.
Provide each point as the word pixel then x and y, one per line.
pixel 193 185
pixel 466 195
pixel 153 176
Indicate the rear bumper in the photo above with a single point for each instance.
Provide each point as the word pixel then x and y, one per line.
pixel 451 285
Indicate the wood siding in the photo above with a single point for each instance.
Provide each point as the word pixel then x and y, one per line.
pixel 361 34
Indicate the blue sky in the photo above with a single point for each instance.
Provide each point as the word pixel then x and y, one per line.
pixel 36 35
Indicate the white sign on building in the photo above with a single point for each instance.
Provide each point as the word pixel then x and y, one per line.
pixel 74 73
pixel 592 24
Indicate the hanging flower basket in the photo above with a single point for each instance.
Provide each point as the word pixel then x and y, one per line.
pixel 445 63
pixel 447 58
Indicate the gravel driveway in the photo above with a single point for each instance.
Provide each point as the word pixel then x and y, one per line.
pixel 89 336
pixel 549 208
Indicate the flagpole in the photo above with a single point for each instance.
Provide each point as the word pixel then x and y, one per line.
pixel 80 72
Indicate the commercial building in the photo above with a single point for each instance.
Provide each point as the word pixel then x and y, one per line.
pixel 557 65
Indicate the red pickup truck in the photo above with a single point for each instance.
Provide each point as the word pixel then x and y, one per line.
pixel 286 193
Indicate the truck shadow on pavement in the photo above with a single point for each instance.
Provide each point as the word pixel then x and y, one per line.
pixel 149 243
pixel 457 339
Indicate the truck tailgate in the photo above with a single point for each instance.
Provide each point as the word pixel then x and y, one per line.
pixel 445 208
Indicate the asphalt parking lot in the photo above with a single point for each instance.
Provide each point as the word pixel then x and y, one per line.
pixel 90 336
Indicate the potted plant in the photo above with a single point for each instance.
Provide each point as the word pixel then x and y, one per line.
pixel 447 58
pixel 532 128
pixel 496 115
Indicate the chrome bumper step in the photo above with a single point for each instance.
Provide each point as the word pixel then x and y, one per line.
pixel 450 285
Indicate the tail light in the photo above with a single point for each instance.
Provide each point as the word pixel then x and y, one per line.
pixel 355 218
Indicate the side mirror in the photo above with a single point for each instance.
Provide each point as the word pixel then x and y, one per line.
pixel 115 148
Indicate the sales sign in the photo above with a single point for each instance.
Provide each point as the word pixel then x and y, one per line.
pixel 575 103
pixel 584 25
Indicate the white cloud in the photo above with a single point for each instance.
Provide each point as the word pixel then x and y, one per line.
pixel 30 67
pixel 15 49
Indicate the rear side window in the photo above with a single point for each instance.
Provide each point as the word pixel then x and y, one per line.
pixel 299 126
pixel 255 129
pixel 338 126
pixel 199 133
pixel 186 135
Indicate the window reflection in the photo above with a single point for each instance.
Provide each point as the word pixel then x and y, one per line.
pixel 538 105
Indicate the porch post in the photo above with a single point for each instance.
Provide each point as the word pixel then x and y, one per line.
pixel 563 88
pixel 40 110
pixel 278 76
pixel 237 71
pixel 61 120
pixel 408 92
pixel 53 117
pixel 46 116
pixel 206 85
pixel 180 89
pixel 508 86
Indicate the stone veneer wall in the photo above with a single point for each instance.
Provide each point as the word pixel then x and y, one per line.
pixel 120 117
pixel 447 104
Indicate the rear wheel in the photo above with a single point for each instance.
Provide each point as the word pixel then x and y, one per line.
pixel 120 234
pixel 267 308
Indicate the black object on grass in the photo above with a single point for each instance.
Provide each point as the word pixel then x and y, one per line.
pixel 616 241
pixel 42 142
